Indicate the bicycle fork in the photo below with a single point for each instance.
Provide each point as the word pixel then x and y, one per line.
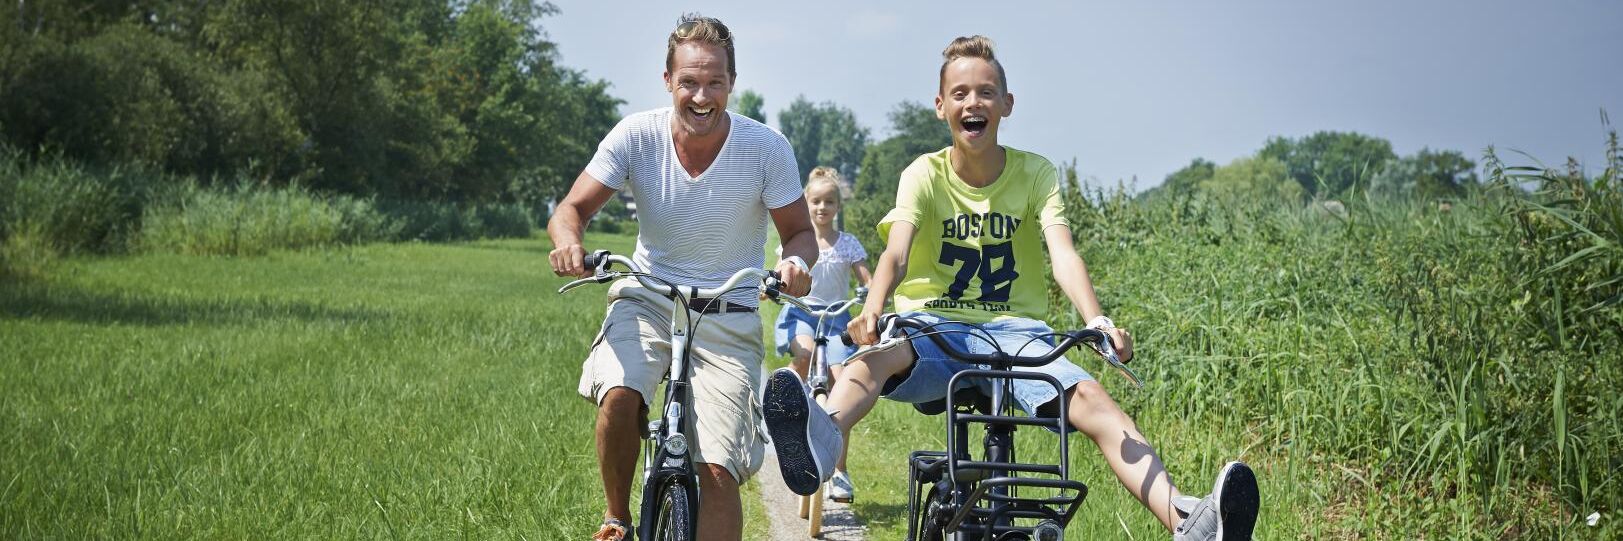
pixel 667 456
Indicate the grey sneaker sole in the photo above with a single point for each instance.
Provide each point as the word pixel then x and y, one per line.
pixel 785 410
pixel 1238 501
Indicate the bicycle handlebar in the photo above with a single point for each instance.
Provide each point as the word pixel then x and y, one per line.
pixel 832 309
pixel 600 261
pixel 889 325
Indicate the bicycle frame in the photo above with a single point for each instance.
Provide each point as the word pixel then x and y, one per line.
pixel 817 371
pixel 666 456
pixel 958 485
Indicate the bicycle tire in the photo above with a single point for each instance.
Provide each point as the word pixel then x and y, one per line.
pixel 924 519
pixel 676 514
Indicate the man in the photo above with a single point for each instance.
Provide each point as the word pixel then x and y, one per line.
pixel 705 181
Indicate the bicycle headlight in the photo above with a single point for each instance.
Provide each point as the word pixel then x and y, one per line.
pixel 1048 531
pixel 677 445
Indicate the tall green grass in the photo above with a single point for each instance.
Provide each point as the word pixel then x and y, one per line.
pixel 1400 369
pixel 250 220
pixel 1450 365
pixel 59 207
pixel 438 222
pixel 50 207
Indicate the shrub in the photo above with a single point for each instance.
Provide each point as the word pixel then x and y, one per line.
pixel 249 220
pixel 439 222
pixel 53 206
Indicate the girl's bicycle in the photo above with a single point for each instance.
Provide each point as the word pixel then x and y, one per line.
pixel 990 495
pixel 670 488
pixel 820 381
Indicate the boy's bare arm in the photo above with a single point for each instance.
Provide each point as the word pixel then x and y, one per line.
pixel 1072 275
pixel 1071 272
pixel 891 267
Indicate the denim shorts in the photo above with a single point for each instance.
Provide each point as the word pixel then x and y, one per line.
pixel 792 322
pixel 934 369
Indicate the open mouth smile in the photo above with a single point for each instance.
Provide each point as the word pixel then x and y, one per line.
pixel 975 124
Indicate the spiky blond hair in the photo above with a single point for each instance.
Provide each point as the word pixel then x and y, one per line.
pixel 976 46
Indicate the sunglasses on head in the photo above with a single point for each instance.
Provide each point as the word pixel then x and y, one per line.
pixel 687 29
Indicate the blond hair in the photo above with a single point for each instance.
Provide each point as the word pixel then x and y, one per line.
pixel 976 46
pixel 693 27
pixel 824 174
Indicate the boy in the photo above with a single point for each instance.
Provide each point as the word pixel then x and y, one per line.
pixel 962 245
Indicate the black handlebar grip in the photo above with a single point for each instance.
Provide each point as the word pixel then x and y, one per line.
pixel 772 283
pixel 845 338
pixel 594 259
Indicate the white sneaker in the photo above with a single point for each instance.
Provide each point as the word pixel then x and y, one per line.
pixel 1229 513
pixel 840 488
pixel 807 440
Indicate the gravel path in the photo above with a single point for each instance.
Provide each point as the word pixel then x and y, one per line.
pixel 783 508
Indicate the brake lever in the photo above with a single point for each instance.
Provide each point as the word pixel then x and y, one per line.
pixel 602 277
pixel 888 340
pixel 1108 351
pixel 576 283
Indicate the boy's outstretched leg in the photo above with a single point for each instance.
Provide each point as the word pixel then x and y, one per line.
pixel 807 440
pixel 1128 453
pixel 1228 513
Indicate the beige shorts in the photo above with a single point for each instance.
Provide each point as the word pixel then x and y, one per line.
pixel 633 350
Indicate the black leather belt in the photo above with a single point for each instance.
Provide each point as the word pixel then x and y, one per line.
pixel 717 306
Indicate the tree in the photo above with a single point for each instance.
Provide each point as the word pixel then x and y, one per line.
pixel 1425 174
pixel 824 134
pixel 915 131
pixel 412 99
pixel 1257 178
pixel 750 104
pixel 1184 181
pixel 1330 163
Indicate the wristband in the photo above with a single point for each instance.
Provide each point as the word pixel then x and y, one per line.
pixel 798 263
pixel 1102 323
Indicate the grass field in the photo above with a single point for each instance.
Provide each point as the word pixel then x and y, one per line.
pixel 428 392
pixel 386 391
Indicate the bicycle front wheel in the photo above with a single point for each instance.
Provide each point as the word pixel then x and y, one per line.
pixel 926 518
pixel 676 514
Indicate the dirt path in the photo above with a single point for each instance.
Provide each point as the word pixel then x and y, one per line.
pixel 783 508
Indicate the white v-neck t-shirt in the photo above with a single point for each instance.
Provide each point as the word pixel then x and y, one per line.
pixel 698 231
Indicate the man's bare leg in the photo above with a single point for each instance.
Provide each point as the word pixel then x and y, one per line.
pixel 619 421
pixel 721 514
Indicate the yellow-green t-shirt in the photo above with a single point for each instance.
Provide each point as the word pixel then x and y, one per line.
pixel 977 255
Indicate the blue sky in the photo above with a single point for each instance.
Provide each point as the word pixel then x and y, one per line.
pixel 1141 88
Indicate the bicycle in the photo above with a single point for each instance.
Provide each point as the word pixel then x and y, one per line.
pixel 819 379
pixel 670 489
pixel 951 495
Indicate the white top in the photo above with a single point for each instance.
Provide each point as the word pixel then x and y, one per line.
pixel 831 276
pixel 698 231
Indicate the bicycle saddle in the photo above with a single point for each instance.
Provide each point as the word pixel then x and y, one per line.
pixel 967 396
